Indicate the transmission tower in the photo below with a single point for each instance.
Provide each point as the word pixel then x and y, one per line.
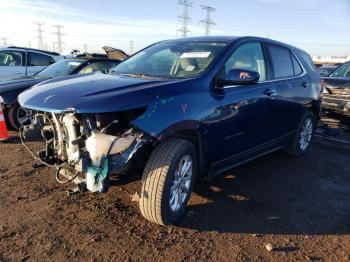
pixel 208 21
pixel 40 35
pixel 59 37
pixel 184 18
pixel 4 41
pixel 131 47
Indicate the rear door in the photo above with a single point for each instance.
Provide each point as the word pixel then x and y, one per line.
pixel 12 64
pixel 37 62
pixel 292 85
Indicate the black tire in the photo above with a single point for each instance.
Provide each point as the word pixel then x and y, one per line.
pixel 13 113
pixel 294 148
pixel 158 178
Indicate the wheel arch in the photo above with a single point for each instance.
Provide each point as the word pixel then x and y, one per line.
pixel 197 139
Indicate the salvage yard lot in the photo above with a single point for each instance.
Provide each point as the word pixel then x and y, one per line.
pixel 300 206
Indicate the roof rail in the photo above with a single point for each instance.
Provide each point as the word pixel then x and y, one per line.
pixel 38 50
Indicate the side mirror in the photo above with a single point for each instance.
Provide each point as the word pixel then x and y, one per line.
pixel 239 77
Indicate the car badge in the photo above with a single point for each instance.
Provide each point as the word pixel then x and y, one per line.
pixel 47 98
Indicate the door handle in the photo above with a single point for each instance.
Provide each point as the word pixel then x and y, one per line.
pixel 305 84
pixel 269 91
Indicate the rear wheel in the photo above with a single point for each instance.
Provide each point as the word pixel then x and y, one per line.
pixel 302 139
pixel 167 181
pixel 18 116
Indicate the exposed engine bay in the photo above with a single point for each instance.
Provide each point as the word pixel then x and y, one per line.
pixel 86 148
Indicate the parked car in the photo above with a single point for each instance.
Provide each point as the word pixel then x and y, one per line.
pixel 326 70
pixel 337 90
pixel 181 109
pixel 21 61
pixel 82 64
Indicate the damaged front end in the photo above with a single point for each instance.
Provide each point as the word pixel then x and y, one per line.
pixel 87 148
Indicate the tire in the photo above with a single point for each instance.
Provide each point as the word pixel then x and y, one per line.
pixel 159 182
pixel 14 113
pixel 296 148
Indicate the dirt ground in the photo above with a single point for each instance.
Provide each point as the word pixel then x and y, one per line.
pixel 299 206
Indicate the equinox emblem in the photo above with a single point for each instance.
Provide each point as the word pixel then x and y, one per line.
pixel 47 98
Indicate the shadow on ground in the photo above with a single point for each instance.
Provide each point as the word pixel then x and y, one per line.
pixel 278 195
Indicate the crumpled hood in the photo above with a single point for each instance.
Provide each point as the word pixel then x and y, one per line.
pixel 92 93
pixel 337 82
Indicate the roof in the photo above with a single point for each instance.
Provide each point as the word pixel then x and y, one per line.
pixel 206 38
pixel 37 50
pixel 230 39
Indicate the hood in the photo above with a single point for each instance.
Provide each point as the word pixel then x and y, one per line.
pixel 19 81
pixel 91 93
pixel 336 82
pixel 114 53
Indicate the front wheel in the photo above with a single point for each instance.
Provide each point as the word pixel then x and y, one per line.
pixel 167 181
pixel 302 139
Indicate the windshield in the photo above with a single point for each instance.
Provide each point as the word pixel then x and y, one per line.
pixel 341 71
pixel 171 60
pixel 61 68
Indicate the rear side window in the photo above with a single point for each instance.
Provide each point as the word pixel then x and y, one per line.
pixel 297 68
pixel 36 59
pixel 281 61
pixel 308 62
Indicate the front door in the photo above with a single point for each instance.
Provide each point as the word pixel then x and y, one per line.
pixel 245 108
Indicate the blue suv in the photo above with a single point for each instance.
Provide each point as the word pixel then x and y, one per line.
pixel 179 109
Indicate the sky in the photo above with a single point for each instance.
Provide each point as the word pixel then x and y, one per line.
pixel 320 27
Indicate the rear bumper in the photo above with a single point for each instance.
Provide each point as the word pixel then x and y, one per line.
pixel 337 103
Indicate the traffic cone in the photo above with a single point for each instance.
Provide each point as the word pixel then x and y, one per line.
pixel 4 135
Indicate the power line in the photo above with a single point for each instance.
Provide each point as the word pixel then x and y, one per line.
pixel 208 21
pixel 40 33
pixel 184 18
pixel 59 37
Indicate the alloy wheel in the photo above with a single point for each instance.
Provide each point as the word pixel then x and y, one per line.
pixel 306 134
pixel 181 184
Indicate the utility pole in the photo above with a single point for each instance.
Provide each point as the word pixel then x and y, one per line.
pixel 184 17
pixel 208 21
pixel 4 41
pixel 85 48
pixel 40 35
pixel 131 47
pixel 59 37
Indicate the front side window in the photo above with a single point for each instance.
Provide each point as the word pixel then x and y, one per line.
pixel 103 67
pixel 248 56
pixel 36 59
pixel 11 58
pixel 61 68
pixel 282 62
pixel 172 59
pixel 341 71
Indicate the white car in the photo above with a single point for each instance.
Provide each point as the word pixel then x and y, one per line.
pixel 18 61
